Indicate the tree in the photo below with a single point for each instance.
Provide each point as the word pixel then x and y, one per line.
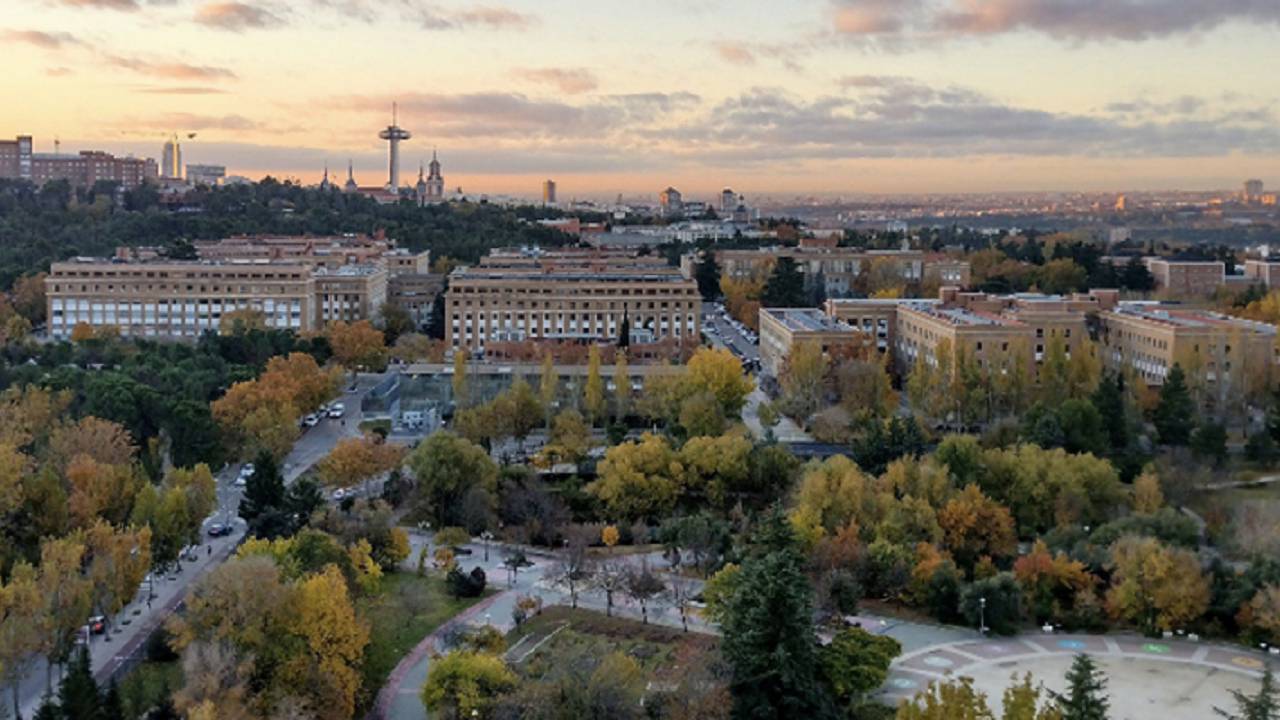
pixel 719 372
pixel 952 700
pixel 610 578
pixel 353 460
pixel 79 696
pixel 1174 416
pixel 1158 586
pixel 448 468
pixel 21 606
pixel 706 273
pixel 785 286
pixel 644 586
pixel 572 569
pixel 593 390
pixel 396 322
pixel 264 506
pixel 802 378
pixel 973 525
pixel 357 345
pixel 718 591
pixel 856 662
pixel 1084 698
pixel 1147 497
pixel 768 630
pixel 622 386
pixel 638 479
pixel 1209 442
pixel 1001 610
pixel 328 668
pixel 1265 705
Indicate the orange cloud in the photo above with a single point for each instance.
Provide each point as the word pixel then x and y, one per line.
pixel 570 82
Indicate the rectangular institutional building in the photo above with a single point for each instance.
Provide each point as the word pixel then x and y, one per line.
pixel 1221 354
pixel 842 268
pixel 19 162
pixel 296 283
pixel 571 296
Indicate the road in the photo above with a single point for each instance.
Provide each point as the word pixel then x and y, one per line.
pixel 141 615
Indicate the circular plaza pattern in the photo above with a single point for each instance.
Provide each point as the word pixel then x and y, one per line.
pixel 1167 679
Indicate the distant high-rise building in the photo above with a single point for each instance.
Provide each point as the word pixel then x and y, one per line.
pixel 1122 203
pixel 171 160
pixel 728 201
pixel 671 200
pixel 549 191
pixel 211 174
pixel 1253 191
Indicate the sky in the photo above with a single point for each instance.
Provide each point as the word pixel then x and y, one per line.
pixel 607 97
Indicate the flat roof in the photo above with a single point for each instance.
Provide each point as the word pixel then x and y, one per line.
pixel 807 320
pixel 1178 316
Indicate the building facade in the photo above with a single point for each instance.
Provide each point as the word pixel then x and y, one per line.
pixel 569 297
pixel 780 329
pixel 843 269
pixel 19 162
pixel 1187 278
pixel 300 283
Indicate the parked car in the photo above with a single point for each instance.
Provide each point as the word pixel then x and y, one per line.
pixel 97 624
pixel 311 420
pixel 336 410
pixel 339 494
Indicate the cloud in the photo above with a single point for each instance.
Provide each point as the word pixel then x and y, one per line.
pixel 59 72
pixel 39 38
pixel 871 81
pixel 735 52
pixel 170 69
pixel 127 5
pixel 434 17
pixel 569 81
pixel 196 90
pixel 1072 20
pixel 236 16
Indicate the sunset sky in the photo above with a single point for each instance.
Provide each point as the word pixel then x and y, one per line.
pixel 604 96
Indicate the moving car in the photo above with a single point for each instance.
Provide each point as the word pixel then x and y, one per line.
pixel 219 530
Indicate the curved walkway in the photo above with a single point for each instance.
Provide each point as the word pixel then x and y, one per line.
pixel 1169 679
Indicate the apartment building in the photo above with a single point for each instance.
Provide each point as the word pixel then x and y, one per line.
pixel 1265 271
pixel 415 293
pixel 843 269
pixel 177 299
pixel 19 161
pixel 569 298
pixel 1187 278
pixel 780 329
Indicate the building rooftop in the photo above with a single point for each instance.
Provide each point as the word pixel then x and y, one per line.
pixel 1183 317
pixel 806 320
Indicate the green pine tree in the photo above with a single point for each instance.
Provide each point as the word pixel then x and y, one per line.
pixel 1263 706
pixel 48 710
pixel 264 504
pixel 1175 416
pixel 768 631
pixel 112 703
pixel 1085 698
pixel 624 331
pixel 1108 398
pixel 707 274
pixel 78 695
pixel 785 286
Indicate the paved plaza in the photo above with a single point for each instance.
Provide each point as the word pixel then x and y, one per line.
pixel 1165 679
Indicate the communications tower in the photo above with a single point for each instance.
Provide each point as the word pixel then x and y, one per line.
pixel 393 134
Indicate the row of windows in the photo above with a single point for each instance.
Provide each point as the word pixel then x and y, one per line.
pixel 573 305
pixel 178 275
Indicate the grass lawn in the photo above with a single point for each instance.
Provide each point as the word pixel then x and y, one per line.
pixel 407 609
pixel 593 633
pixel 147 684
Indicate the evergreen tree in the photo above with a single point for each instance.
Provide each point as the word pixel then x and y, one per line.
pixel 264 507
pixel 48 710
pixel 1209 442
pixel 304 497
pixel 768 631
pixel 78 695
pixel 1108 398
pixel 1263 706
pixel 1174 416
pixel 1137 277
pixel 707 275
pixel 112 703
pixel 624 331
pixel 785 286
pixel 1084 698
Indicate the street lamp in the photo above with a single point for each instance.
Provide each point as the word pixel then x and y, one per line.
pixel 982 617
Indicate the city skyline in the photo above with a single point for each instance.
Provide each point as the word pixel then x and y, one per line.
pixel 836 96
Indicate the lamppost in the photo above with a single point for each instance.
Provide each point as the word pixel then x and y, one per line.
pixel 982 617
pixel 486 536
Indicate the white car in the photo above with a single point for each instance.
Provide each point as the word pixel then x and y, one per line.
pixel 336 410
pixel 311 420
pixel 245 473
pixel 339 494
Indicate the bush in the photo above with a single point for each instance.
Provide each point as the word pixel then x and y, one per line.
pixel 1001 611
pixel 462 585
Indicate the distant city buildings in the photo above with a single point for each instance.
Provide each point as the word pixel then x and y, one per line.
pixel 206 174
pixel 1252 192
pixel 18 161
pixel 842 269
pixel 671 201
pixel 549 192
pixel 295 282
pixel 1187 278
